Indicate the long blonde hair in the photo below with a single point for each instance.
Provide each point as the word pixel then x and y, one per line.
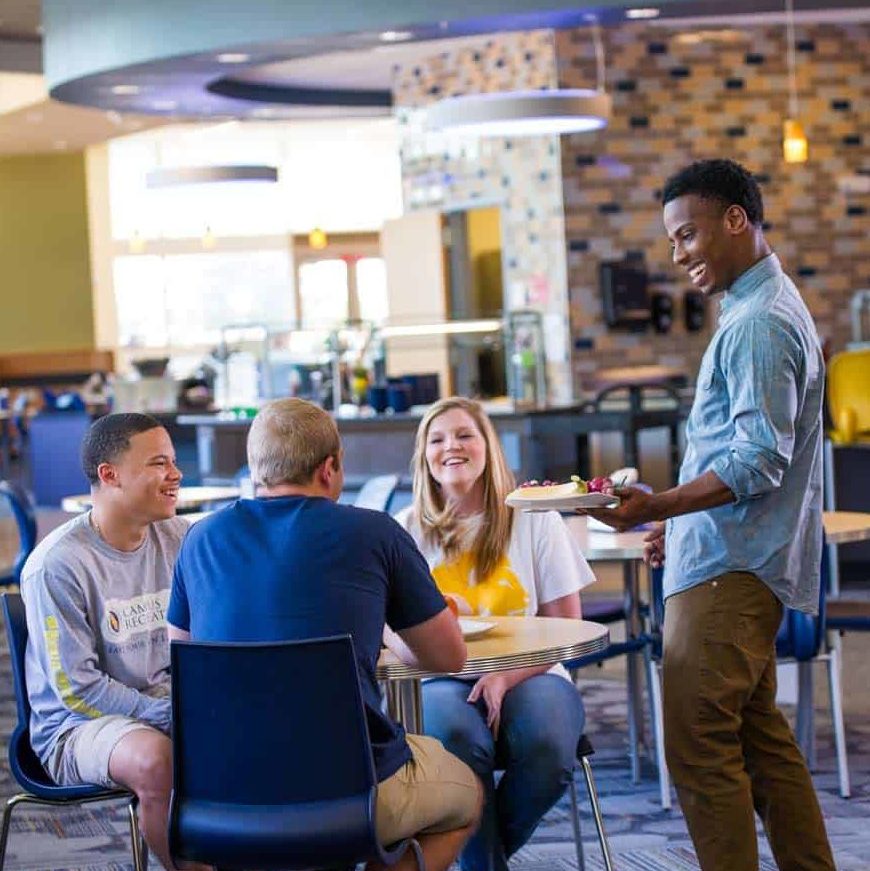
pixel 438 521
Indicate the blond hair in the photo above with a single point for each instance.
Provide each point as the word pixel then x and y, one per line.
pixel 288 440
pixel 438 521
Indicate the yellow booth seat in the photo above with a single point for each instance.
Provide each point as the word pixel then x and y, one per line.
pixel 849 396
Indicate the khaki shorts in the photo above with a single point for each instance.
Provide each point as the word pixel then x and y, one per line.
pixel 434 792
pixel 82 754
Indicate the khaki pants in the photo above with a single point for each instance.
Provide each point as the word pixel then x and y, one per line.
pixel 728 747
pixel 433 792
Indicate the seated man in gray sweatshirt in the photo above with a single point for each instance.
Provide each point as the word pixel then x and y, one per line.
pixel 95 591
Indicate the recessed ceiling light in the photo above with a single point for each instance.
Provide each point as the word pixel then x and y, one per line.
pixel 164 105
pixel 125 90
pixel 395 35
pixel 233 57
pixel 642 12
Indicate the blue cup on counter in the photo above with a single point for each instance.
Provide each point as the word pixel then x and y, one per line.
pixel 399 397
pixel 377 397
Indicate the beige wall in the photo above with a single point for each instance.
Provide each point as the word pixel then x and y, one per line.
pixel 46 277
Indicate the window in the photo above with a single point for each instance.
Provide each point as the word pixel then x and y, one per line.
pixel 323 293
pixel 181 300
pixel 371 288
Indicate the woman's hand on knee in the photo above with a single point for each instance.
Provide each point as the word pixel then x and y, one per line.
pixel 491 688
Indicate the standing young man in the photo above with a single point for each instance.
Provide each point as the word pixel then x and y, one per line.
pixel 292 564
pixel 743 534
pixel 96 591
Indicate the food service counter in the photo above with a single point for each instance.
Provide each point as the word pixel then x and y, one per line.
pixel 541 443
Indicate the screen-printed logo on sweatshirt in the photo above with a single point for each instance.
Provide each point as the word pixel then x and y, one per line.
pixel 124 618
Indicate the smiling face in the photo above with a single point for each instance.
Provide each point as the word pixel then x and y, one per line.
pixel 705 240
pixel 455 453
pixel 143 481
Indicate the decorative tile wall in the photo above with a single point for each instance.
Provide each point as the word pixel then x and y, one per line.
pixel 678 97
pixel 522 175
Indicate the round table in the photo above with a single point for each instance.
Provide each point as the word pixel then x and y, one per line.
pixel 514 642
pixel 842 527
pixel 189 498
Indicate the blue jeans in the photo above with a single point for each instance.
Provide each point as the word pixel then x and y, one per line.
pixel 541 722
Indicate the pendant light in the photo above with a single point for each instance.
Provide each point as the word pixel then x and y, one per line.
pixel 795 147
pixel 526 113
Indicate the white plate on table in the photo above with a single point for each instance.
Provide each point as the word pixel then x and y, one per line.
pixel 516 499
pixel 474 628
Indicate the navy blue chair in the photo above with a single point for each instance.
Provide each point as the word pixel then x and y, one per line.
pixel 272 764
pixel 25 520
pixel 23 762
pixel 800 639
pixel 640 644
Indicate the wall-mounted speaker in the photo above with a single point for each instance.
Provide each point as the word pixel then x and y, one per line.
pixel 662 308
pixel 694 310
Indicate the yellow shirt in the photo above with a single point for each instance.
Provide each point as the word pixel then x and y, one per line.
pixel 500 593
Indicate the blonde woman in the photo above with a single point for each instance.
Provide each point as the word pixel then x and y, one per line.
pixel 491 560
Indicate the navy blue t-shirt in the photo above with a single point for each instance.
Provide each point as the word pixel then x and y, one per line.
pixel 294 567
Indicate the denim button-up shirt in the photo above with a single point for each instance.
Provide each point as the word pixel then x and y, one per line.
pixel 756 422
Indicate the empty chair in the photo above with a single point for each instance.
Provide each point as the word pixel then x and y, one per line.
pixel 849 395
pixel 24 517
pixel 275 771
pixel 25 766
pixel 377 492
pixel 800 639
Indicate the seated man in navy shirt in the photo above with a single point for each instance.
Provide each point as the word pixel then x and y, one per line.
pixel 294 564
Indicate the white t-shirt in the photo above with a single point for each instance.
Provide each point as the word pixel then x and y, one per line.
pixel 543 563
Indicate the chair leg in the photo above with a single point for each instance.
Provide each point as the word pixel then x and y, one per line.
pixel 596 813
pixel 836 692
pixel 418 854
pixel 633 736
pixel 658 727
pixel 137 842
pixel 7 821
pixel 4 832
pixel 575 824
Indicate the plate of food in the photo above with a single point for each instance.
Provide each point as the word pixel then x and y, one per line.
pixel 552 496
pixel 474 628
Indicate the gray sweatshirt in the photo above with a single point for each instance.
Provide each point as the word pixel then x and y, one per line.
pixel 96 629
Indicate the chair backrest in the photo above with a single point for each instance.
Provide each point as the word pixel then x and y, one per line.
pixel 848 388
pixel 23 762
pixel 271 755
pixel 25 520
pixel 800 634
pixel 377 492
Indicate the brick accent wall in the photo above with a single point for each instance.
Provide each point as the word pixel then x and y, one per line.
pixel 677 98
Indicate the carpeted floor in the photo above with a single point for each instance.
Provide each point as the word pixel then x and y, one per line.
pixel 642 836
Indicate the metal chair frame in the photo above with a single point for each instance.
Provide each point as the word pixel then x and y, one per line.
pixel 584 751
